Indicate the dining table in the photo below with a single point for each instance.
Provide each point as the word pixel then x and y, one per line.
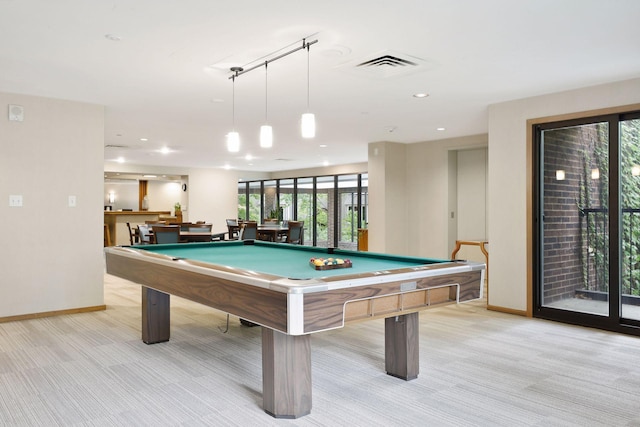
pixel 197 236
pixel 272 232
pixel 201 236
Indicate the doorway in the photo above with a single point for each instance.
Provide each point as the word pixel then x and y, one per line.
pixel 587 222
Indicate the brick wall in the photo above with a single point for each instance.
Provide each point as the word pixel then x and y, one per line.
pixel 565 248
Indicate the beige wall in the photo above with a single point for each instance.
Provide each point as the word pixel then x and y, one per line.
pixel 387 200
pixel 508 188
pixel 51 254
pixel 410 193
pixel 298 173
pixel 471 194
pixel 213 196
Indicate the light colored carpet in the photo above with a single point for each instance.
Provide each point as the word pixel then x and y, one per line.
pixel 477 368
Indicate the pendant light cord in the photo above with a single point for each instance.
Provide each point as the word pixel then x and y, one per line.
pixel 266 91
pixel 233 104
pixel 308 74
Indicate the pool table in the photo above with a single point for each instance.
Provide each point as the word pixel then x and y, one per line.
pixel 275 286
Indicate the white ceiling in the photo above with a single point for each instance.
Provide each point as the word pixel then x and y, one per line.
pixel 166 79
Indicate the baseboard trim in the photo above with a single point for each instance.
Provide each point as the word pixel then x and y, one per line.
pixel 507 310
pixel 52 313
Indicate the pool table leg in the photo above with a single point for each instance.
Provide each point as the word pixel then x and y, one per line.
pixel 401 345
pixel 155 316
pixel 286 374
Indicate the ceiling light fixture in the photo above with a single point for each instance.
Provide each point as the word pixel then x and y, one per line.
pixel 233 137
pixel 420 95
pixel 266 131
pixel 308 121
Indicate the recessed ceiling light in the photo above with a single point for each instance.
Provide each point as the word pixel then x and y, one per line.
pixel 325 163
pixel 440 129
pixel 248 157
pixel 420 95
pixel 120 160
pixel 112 37
pixel 150 176
pixel 323 145
pixel 144 139
pixel 165 150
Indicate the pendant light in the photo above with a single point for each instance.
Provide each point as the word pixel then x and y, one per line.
pixel 266 131
pixel 308 122
pixel 233 137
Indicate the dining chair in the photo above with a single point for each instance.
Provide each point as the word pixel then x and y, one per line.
pixel 232 226
pixel 295 232
pixel 249 231
pixel 166 234
pixel 133 235
pixel 144 231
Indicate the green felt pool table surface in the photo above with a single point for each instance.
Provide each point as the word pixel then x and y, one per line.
pixel 279 259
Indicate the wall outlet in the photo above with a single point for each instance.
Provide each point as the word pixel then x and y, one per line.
pixel 15 200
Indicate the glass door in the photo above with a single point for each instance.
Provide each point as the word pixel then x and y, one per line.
pixel 630 201
pixel 587 192
pixel 574 230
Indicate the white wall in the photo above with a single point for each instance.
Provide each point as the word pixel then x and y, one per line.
pixel 51 254
pixel 213 196
pixel 507 180
pixel 163 195
pixel 428 189
pixel 387 198
pixel 471 184
pixel 409 195
pixel 125 193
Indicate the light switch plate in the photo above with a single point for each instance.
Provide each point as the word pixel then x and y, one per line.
pixel 72 201
pixel 16 113
pixel 15 200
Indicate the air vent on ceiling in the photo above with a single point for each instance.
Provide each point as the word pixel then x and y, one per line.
pixel 388 60
pixel 284 160
pixel 115 146
pixel 387 64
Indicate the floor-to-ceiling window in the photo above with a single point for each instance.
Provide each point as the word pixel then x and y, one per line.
pixel 254 205
pixel 305 207
pixel 287 192
pixel 325 224
pixel 587 193
pixel 351 209
pixel 332 207
pixel 270 202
